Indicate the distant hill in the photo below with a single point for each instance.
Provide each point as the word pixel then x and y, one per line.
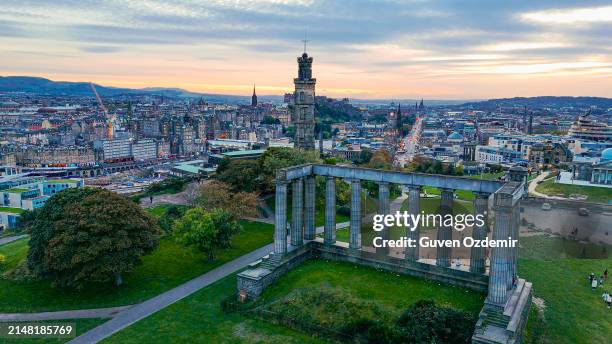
pixel 44 86
pixel 543 102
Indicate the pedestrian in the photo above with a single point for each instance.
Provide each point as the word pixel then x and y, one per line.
pixel 601 280
pixel 151 199
pixel 608 299
pixel 606 273
pixel 594 284
pixel 591 276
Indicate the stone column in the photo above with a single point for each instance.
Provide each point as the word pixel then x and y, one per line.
pixel 330 211
pixel 502 260
pixel 443 254
pixel 516 218
pixel 414 196
pixel 309 208
pixel 297 231
pixel 355 229
pixel 383 209
pixel 280 218
pixel 477 254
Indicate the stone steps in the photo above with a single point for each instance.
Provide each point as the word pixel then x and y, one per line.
pixel 270 262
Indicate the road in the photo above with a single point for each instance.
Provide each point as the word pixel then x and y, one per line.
pixel 409 144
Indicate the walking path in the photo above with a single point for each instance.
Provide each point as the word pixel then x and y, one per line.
pixel 534 184
pixel 9 239
pixel 146 308
pixel 181 198
pixel 75 314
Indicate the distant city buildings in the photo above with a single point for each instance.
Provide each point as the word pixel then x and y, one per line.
pixel 20 192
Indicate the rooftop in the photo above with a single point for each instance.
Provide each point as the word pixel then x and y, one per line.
pixel 11 210
pixel 17 190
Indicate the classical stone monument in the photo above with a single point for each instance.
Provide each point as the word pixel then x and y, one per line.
pixel 504 314
pixel 303 116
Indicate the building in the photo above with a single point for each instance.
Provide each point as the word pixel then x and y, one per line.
pixel 144 149
pixel 303 104
pixel 55 156
pixel 587 129
pixel 115 150
pixel 254 98
pixel 596 170
pixel 549 153
pixel 20 192
pixel 496 155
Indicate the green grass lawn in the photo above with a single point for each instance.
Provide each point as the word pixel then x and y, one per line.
pixel 392 290
pixel 427 205
pixel 488 176
pixel 11 210
pixel 593 193
pixel 465 195
pixel 160 209
pixel 82 326
pixel 199 319
pixel 168 266
pixel 319 211
pixel 572 313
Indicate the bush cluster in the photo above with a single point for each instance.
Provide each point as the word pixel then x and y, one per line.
pixel 338 314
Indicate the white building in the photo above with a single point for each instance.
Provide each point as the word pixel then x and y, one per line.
pixel 496 155
pixel 144 149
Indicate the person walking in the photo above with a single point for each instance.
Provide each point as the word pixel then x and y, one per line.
pixel 606 273
pixel 607 298
pixel 594 284
pixel 601 280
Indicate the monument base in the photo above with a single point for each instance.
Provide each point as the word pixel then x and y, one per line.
pixel 505 324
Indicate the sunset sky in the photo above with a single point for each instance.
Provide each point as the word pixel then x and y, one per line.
pixel 362 49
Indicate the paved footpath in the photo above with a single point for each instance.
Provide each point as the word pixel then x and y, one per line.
pixel 146 308
pixel 75 314
pixel 7 240
pixel 534 183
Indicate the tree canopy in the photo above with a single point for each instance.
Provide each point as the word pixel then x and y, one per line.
pixel 83 236
pixel 218 195
pixel 207 231
pixel 249 175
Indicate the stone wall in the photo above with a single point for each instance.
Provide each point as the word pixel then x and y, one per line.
pixel 255 280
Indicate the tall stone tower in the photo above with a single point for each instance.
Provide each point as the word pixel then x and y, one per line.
pixel 304 108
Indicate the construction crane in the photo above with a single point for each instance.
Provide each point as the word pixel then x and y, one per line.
pixel 109 120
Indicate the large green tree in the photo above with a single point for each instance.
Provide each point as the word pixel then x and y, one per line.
pixel 83 236
pixel 218 195
pixel 196 228
pixel 241 175
pixel 280 157
pixel 207 231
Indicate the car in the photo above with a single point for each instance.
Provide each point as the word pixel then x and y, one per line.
pixel 546 206
pixel 583 212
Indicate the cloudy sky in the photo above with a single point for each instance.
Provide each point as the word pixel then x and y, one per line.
pixel 362 48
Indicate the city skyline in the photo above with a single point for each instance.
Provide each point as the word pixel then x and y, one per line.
pixel 368 49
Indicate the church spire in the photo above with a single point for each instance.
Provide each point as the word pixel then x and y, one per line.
pixel 254 97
